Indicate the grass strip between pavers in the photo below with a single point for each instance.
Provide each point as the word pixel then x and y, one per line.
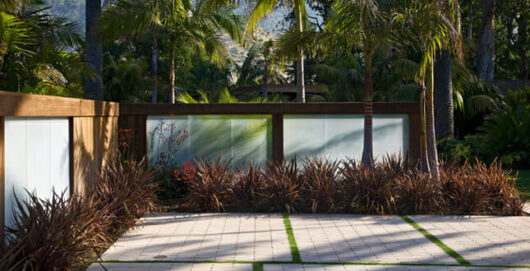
pixel 295 253
pixel 259 264
pixel 451 252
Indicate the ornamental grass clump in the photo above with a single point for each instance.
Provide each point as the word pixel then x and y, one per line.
pixel 55 234
pixel 367 190
pixel 208 187
pixel 476 188
pixel 417 193
pixel 321 185
pixel 64 233
pixel 124 192
pixel 281 189
pixel 246 186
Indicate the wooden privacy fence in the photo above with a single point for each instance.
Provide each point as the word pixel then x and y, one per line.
pixel 36 124
pixel 64 142
pixel 135 118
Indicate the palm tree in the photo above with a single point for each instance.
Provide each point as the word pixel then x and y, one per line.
pixel 429 30
pixel 367 20
pixel 263 8
pixel 117 21
pixel 94 55
pixel 198 25
pixel 366 24
pixel 11 5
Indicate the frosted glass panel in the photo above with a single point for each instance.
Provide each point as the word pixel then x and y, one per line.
pixel 243 138
pixel 340 136
pixel 37 158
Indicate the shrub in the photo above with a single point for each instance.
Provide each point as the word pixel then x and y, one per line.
pixel 208 187
pixel 479 189
pixel 417 193
pixel 367 191
pixel 321 185
pixel 124 192
pixel 245 187
pixel 504 135
pixel 64 233
pixel 54 234
pixel 281 190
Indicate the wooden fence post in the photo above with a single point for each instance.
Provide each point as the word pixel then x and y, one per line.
pixel 277 137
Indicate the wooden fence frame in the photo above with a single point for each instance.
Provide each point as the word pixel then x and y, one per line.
pixel 85 115
pixel 134 117
pixel 78 111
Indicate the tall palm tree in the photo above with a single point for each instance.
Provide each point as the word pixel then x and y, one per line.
pixel 198 25
pixel 368 20
pixel 263 8
pixel 430 27
pixel 363 24
pixel 117 21
pixel 94 54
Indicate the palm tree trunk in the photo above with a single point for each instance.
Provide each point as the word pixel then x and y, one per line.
pixel 423 133
pixel 154 60
pixel 470 19
pixel 265 78
pixel 94 54
pixel 522 39
pixel 300 84
pixel 172 74
pixel 367 158
pixel 431 138
pixel 486 42
pixel 443 96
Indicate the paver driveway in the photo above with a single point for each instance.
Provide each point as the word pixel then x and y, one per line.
pixel 273 242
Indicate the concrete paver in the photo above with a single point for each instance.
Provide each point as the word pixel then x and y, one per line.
pixel 201 237
pixel 170 267
pixel 358 238
pixel 315 267
pixel 320 239
pixel 484 240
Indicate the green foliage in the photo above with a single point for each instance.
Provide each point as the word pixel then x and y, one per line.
pixel 505 134
pixel 38 53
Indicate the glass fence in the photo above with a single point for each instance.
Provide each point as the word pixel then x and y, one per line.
pixel 37 158
pixel 173 140
pixel 341 136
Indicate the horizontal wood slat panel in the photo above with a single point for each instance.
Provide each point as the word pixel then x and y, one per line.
pixel 28 105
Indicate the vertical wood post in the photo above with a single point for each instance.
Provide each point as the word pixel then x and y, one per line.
pixel 71 153
pixel 138 125
pixel 414 136
pixel 277 137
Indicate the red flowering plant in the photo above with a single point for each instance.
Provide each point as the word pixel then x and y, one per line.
pixel 125 140
pixel 165 142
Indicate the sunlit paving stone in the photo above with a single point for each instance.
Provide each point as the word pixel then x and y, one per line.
pixel 483 239
pixel 315 267
pixel 170 267
pixel 356 238
pixel 201 237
